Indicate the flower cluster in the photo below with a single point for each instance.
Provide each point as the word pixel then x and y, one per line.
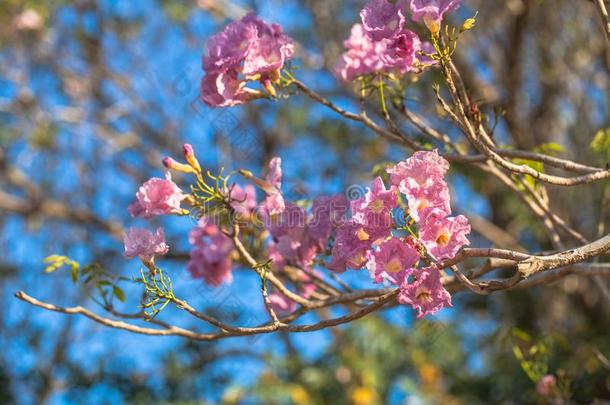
pixel 372 239
pixel 248 49
pixel 155 197
pixel 211 255
pixel 399 233
pixel 382 43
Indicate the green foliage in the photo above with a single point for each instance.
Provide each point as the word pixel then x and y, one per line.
pixel 158 290
pixel 56 262
pixel 601 144
pixel 90 274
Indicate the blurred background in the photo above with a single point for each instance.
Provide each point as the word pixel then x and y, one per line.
pixel 93 94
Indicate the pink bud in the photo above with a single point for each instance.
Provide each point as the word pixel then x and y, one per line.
pixel 168 162
pixel 187 149
pixel 189 155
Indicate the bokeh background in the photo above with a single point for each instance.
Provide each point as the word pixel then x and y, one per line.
pixel 93 94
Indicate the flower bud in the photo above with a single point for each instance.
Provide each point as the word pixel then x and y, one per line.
pixel 269 87
pixel 468 24
pixel 170 163
pixel 189 155
pixel 433 25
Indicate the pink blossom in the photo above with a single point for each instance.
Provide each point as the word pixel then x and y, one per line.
pixel 145 244
pixel 299 238
pixel 327 214
pixel 351 249
pixel 423 56
pixel 422 201
pixel 393 260
pixel 157 197
pixel 382 19
pixel 224 89
pixel 422 170
pixel 292 217
pixel 243 200
pixel 274 202
pixel 363 55
pixel 246 49
pixel 268 50
pixel 374 210
pixel 228 48
pixel 281 304
pixel 546 385
pixel 444 236
pixel 211 256
pixel 425 293
pixel 402 52
pixel 432 11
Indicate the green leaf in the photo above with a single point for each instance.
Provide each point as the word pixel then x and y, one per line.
pixel 601 143
pixel 118 293
pixel 56 262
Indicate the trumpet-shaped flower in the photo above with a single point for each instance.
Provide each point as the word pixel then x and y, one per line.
pixel 363 55
pixel 145 244
pixel 211 256
pixel 243 199
pixel 432 11
pixel 422 170
pixel 393 260
pixel 425 293
pixel 351 249
pixel 402 52
pixel 374 210
pixel 444 236
pixel 157 197
pixel 382 19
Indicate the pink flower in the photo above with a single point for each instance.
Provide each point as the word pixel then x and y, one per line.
pixel 363 56
pixel 432 11
pixel 393 260
pixel 422 170
pixel 281 304
pixel 426 293
pixel 327 214
pixel 422 201
pixel 211 256
pixel 299 238
pixel 546 385
pixel 444 236
pixel 247 49
pixel 292 217
pixel 157 197
pixel 374 210
pixel 228 49
pixel 427 49
pixel 145 244
pixel 269 48
pixel 224 89
pixel 382 19
pixel 402 52
pixel 243 200
pixel 351 249
pixel 274 202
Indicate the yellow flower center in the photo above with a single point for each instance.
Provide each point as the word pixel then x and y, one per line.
pixel 423 294
pixel 376 206
pixel 362 235
pixel 393 266
pixel 444 238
